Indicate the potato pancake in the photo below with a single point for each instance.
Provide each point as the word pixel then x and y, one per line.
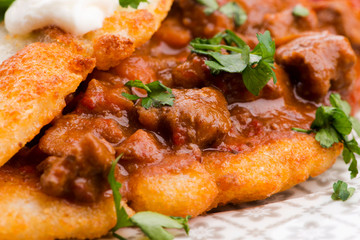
pixel 196 127
pixel 36 81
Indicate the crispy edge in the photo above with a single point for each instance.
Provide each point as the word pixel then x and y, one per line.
pixel 126 30
pixel 28 213
pixel 230 178
pixel 34 84
pixel 269 169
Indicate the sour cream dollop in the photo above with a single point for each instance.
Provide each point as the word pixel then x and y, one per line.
pixel 74 16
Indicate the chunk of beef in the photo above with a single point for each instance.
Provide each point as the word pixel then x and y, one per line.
pixel 234 89
pixel 192 73
pixel 201 24
pixel 318 62
pixel 136 67
pixel 141 147
pixel 283 24
pixel 173 32
pixel 102 98
pixel 339 17
pixel 67 131
pixel 198 116
pixel 263 14
pixel 81 175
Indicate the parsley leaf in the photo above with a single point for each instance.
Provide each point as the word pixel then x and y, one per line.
pixel 341 191
pixel 157 94
pixel 334 124
pixel 122 217
pixel 256 66
pixel 152 224
pixel 184 222
pixel 132 3
pixel 231 9
pixel 234 11
pixel 300 11
pixel 4 5
pixel 210 6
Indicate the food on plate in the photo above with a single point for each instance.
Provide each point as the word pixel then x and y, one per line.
pixel 222 105
pixel 136 28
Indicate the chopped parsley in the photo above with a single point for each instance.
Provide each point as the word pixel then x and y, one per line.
pixel 235 56
pixel 300 11
pixel 334 124
pixel 132 3
pixel 231 10
pixel 151 224
pixel 4 5
pixel 210 6
pixel 157 94
pixel 341 191
pixel 234 11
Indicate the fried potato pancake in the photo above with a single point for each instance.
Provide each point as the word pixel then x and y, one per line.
pixel 254 175
pixel 268 169
pixel 28 213
pixel 34 84
pixel 126 30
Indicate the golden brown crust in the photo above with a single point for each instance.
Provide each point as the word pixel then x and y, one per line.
pixel 28 213
pixel 268 169
pixel 254 175
pixel 126 30
pixel 181 190
pixel 187 190
pixel 34 84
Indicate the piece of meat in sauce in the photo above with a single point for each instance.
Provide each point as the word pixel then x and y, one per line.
pixel 273 15
pixel 192 73
pixel 104 98
pixel 69 129
pixel 81 151
pixel 339 17
pixel 317 63
pixel 201 24
pixel 80 175
pixel 234 89
pixel 141 148
pixel 283 23
pixel 198 116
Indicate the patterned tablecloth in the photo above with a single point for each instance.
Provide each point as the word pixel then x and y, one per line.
pixel 303 212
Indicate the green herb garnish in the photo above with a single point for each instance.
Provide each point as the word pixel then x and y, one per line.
pixel 341 191
pixel 334 124
pixel 256 66
pixel 121 215
pixel 4 5
pixel 234 11
pixel 300 11
pixel 132 3
pixel 151 224
pixel 157 94
pixel 210 6
pixel 231 10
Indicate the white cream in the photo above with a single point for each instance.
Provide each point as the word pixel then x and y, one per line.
pixel 74 16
